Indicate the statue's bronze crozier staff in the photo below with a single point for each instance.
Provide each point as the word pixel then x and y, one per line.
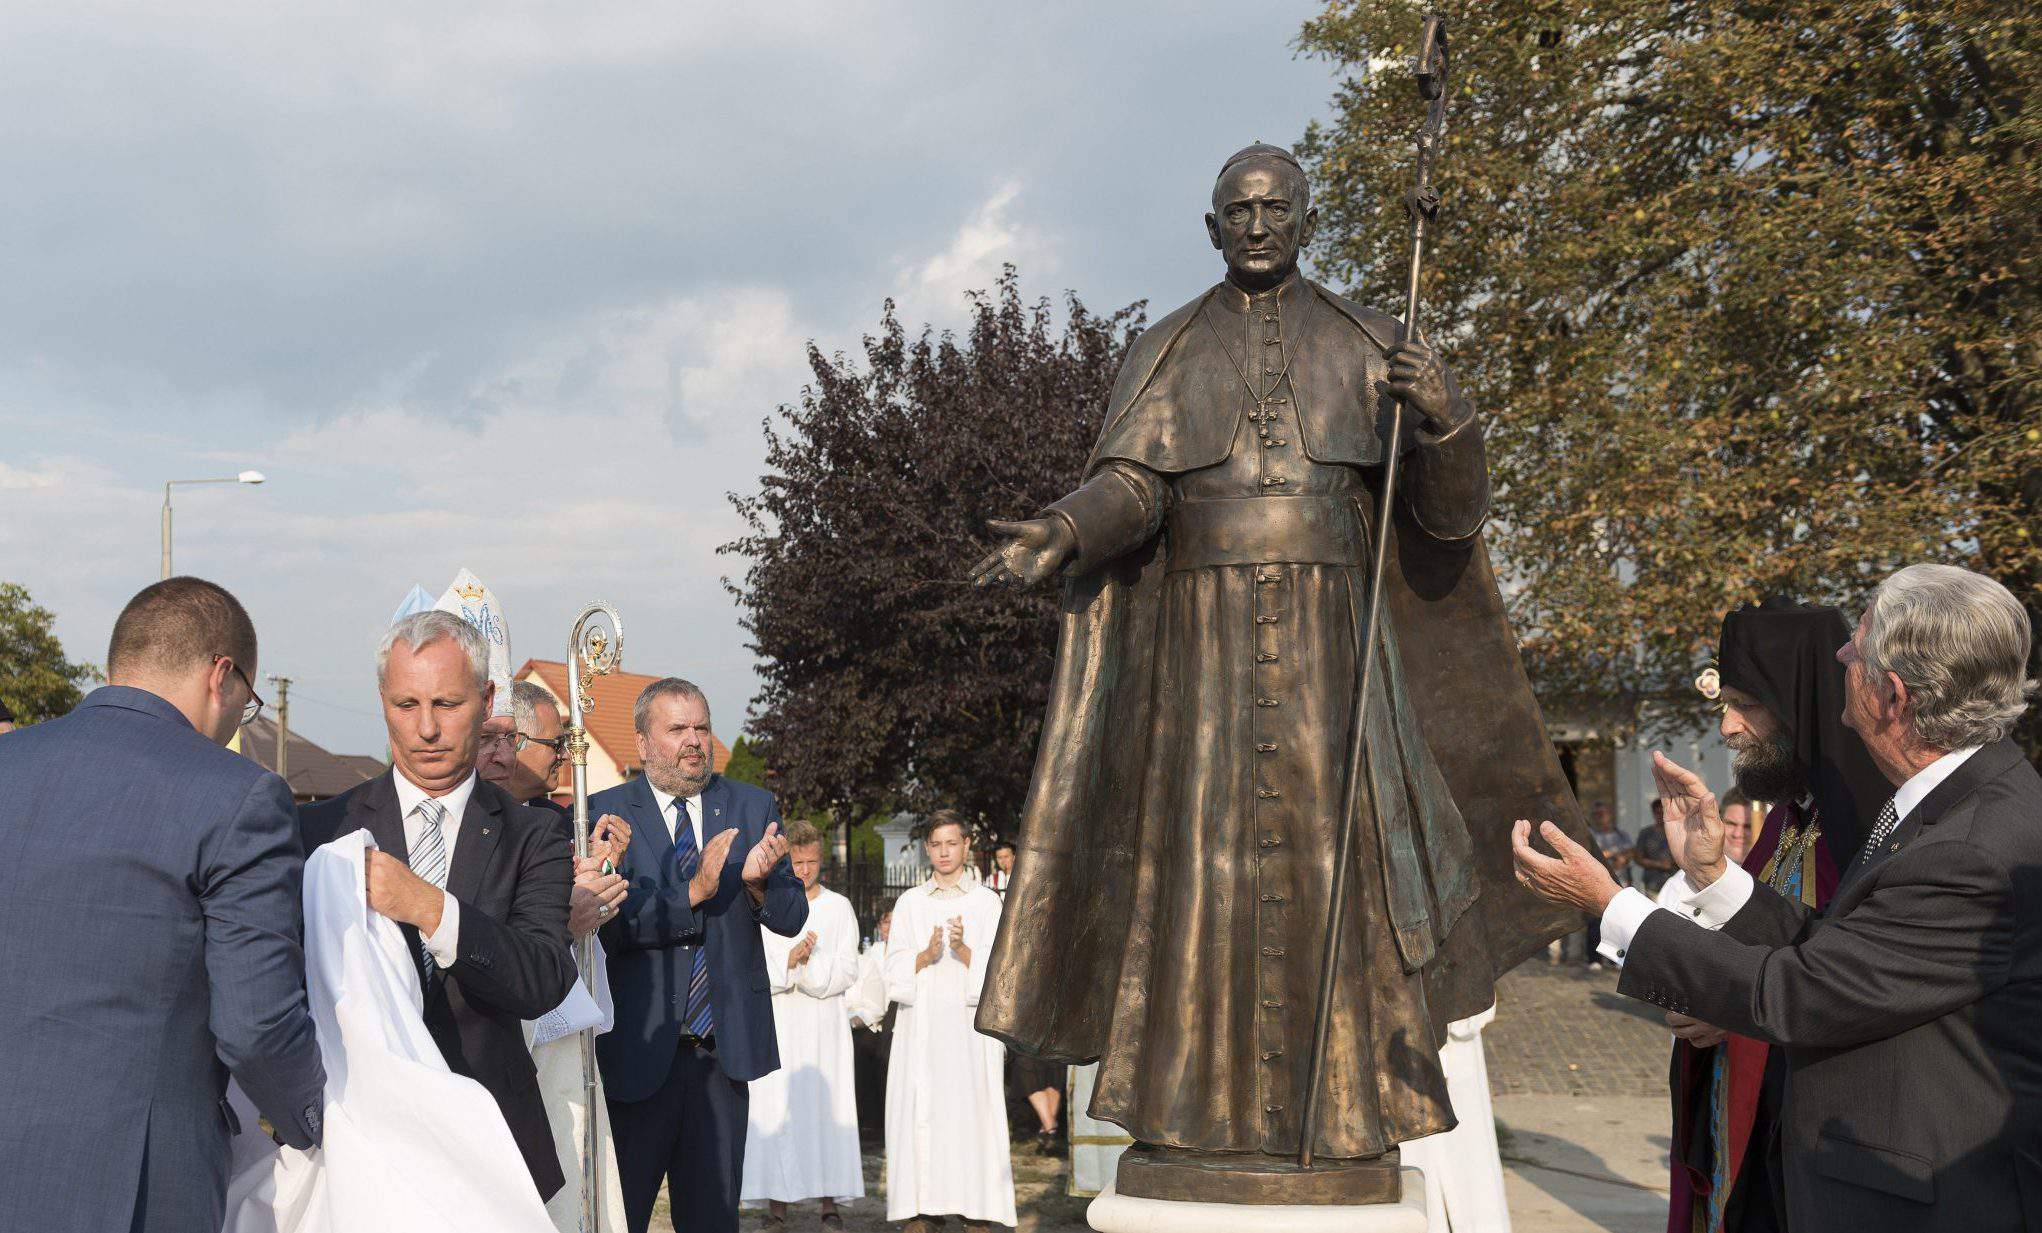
pixel 1421 203
pixel 590 653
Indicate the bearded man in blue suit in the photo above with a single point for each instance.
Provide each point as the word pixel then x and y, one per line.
pixel 706 868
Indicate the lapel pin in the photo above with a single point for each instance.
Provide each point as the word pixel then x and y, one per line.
pixel 485 830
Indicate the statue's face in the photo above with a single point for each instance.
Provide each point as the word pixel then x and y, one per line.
pixel 1261 220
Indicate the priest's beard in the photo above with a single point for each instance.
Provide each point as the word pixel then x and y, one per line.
pixel 1767 770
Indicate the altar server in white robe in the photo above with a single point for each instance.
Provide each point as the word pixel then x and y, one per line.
pixel 1463 1167
pixel 803 1139
pixel 946 1108
pixel 866 1000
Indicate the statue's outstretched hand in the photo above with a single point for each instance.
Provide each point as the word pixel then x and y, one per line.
pixel 1034 550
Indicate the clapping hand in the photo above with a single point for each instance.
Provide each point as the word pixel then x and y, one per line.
pixel 1694 829
pixel 709 874
pixel 802 950
pixel 610 839
pixel 933 952
pixel 595 896
pixel 760 860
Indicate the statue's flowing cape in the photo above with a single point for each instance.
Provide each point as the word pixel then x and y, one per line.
pixel 1054 972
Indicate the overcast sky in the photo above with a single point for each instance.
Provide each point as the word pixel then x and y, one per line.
pixel 515 291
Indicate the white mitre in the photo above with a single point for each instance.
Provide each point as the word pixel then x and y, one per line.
pixel 415 601
pixel 472 601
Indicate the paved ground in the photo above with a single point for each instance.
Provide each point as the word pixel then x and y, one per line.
pixel 1584 1162
pixel 1564 1031
pixel 1578 1078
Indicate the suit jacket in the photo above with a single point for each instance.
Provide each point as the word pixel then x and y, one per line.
pixel 1907 1010
pixel 651 943
pixel 511 873
pixel 150 907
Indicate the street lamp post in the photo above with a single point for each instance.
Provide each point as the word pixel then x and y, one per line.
pixel 246 477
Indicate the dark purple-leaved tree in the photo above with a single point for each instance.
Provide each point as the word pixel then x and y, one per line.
pixel 890 681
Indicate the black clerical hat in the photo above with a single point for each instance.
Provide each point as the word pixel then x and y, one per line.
pixel 1784 654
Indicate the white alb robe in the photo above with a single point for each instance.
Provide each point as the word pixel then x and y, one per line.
pixel 1463 1168
pixel 866 1001
pixel 555 1041
pixel 802 1141
pixel 946 1106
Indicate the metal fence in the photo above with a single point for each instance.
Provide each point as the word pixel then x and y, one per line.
pixel 871 886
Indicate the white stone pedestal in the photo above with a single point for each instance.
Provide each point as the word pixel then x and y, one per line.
pixel 1115 1213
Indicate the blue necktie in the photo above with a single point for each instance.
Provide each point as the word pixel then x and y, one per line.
pixel 700 1019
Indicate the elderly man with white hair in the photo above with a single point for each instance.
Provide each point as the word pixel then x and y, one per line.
pixel 1907 1007
pixel 477 881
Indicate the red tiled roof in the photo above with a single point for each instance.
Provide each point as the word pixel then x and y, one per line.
pixel 609 715
pixel 315 773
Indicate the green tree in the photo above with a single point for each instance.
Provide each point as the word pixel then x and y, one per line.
pixel 1747 292
pixel 890 681
pixel 745 765
pixel 36 681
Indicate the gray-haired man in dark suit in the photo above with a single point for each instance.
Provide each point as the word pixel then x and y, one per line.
pixel 477 883
pixel 1907 1008
pixel 152 924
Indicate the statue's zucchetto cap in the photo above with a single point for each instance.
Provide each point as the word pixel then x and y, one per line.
pixel 1261 149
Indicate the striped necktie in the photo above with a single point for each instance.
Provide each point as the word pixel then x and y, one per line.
pixel 429 861
pixel 700 1017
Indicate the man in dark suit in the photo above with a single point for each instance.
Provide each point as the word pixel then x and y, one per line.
pixel 477 881
pixel 707 867
pixel 150 907
pixel 1906 1008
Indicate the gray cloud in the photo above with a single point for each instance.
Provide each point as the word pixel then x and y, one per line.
pixel 515 291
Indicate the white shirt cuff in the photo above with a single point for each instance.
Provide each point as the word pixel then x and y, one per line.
pixel 1620 923
pixel 1711 908
pixel 445 943
pixel 1714 905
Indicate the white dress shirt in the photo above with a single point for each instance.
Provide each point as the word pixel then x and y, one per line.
pixel 1714 905
pixel 444 944
pixel 665 801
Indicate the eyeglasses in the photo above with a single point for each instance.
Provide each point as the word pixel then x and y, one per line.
pixel 254 705
pixel 518 740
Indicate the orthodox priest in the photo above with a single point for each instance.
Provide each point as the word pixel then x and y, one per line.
pixel 1781 690
pixel 1178 842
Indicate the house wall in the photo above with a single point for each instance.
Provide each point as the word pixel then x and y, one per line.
pixel 1696 746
